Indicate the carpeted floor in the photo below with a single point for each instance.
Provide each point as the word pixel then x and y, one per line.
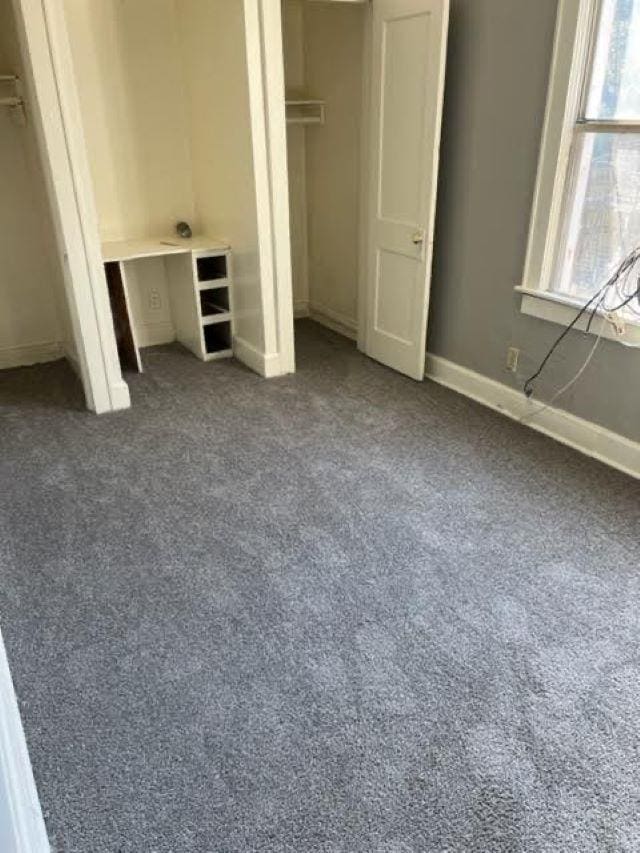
pixel 338 611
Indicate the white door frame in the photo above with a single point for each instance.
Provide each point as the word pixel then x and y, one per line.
pixel 365 176
pixel 22 827
pixel 54 108
pixel 275 154
pixel 265 69
pixel 266 72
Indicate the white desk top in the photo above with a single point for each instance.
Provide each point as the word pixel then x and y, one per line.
pixel 128 250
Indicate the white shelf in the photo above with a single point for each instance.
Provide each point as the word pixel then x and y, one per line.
pixel 130 250
pixel 184 261
pixel 303 109
pixel 211 319
pixel 214 283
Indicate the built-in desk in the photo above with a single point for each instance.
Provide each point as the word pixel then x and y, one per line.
pixel 200 288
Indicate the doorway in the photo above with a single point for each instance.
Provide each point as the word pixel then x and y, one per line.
pixel 363 97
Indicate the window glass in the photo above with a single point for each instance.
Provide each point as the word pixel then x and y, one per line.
pixel 614 86
pixel 602 223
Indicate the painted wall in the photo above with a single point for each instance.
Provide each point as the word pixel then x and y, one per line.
pixel 324 46
pixel 33 317
pixel 334 56
pixel 128 70
pixel 221 148
pixel 498 64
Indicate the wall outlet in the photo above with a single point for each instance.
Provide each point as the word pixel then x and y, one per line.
pixel 155 301
pixel 513 354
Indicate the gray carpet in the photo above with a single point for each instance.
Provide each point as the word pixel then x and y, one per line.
pixel 338 611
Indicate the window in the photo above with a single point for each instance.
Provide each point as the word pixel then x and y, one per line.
pixel 586 214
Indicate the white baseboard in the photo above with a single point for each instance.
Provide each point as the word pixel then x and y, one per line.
pixel 334 320
pixel 300 308
pixel 22 827
pixel 589 438
pixel 155 334
pixel 265 365
pixel 24 355
pixel 120 396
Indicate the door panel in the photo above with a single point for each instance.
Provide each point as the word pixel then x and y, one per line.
pixel 404 71
pixel 408 57
pixel 394 302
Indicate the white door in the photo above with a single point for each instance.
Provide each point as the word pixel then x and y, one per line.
pixel 407 81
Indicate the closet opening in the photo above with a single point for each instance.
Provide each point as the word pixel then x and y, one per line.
pixel 158 112
pixel 364 82
pixel 35 324
pixel 326 115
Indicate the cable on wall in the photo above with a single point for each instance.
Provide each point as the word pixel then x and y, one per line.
pixel 622 288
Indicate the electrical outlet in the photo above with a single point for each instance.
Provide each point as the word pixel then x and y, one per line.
pixel 512 359
pixel 155 301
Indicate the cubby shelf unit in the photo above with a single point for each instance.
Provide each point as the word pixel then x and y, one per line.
pixel 199 277
pixel 212 277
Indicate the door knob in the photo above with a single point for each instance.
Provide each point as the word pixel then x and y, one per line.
pixel 418 237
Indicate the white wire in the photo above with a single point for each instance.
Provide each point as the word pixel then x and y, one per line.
pixel 528 415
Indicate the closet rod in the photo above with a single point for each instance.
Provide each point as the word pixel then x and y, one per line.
pixel 11 102
pixel 8 78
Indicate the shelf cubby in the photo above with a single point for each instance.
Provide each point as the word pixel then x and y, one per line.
pixel 217 339
pixel 214 301
pixel 211 268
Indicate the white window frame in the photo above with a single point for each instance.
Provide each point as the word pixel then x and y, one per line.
pixel 575 26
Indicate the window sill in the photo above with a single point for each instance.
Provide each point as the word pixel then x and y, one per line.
pixel 561 310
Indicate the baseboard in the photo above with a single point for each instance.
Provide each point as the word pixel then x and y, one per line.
pixel 24 355
pixel 300 308
pixel 155 334
pixel 120 396
pixel 589 438
pixel 265 365
pixel 22 828
pixel 334 320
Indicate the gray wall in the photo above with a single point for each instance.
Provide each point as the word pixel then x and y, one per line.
pixel 498 64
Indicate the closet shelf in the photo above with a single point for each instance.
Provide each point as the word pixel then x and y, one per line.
pixel 214 283
pixel 211 319
pixel 129 250
pixel 303 109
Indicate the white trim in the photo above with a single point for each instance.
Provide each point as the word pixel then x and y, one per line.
pixel 276 140
pixel 265 70
pixel 364 177
pixel 93 272
pixel 18 794
pixel 265 365
pixel 26 354
pixel 571 46
pixel 335 320
pixel 562 310
pixel 46 52
pixel 589 438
